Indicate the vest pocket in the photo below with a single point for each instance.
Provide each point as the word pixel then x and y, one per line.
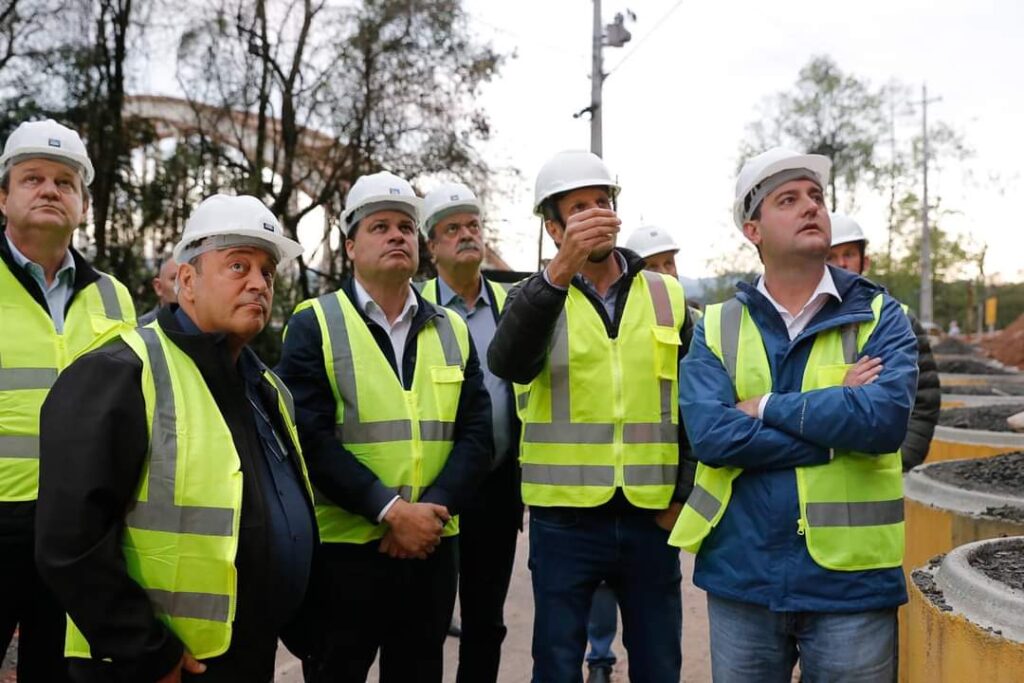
pixel 666 351
pixel 447 381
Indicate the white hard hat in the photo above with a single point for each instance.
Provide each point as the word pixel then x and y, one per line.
pixel 845 229
pixel 48 140
pixel 650 240
pixel 223 221
pixel 380 191
pixel 750 187
pixel 571 170
pixel 446 200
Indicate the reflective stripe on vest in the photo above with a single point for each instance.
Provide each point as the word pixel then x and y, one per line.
pixel 862 532
pixel 403 436
pixel 555 445
pixel 32 354
pixel 180 550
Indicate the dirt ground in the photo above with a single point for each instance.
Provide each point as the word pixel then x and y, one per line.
pixel 994 389
pixel 953 346
pixel 988 418
pixel 1008 345
pixel 1003 562
pixel 998 474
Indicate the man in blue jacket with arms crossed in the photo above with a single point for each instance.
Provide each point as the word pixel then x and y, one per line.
pixel 796 396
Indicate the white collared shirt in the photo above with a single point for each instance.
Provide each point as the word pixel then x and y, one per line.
pixel 795 324
pixel 57 292
pixel 398 331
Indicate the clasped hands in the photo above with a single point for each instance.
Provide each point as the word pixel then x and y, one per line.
pixel 414 529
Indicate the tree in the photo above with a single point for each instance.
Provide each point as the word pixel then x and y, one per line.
pixel 829 113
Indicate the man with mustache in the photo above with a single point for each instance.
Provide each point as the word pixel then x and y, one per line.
pixel 593 342
pixel 396 423
pixel 53 306
pixel 491 521
pixel 796 395
pixel 176 520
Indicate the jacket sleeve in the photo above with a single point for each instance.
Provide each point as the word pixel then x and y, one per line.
pixel 687 472
pixel 93 443
pixel 927 402
pixel 867 419
pixel 722 435
pixel 470 459
pixel 333 469
pixel 520 345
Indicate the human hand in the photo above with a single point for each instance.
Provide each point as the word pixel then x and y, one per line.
pixel 187 663
pixel 415 529
pixel 666 518
pixel 584 232
pixel 750 406
pixel 864 371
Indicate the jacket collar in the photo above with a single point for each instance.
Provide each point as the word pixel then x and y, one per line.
pixel 85 274
pixel 425 310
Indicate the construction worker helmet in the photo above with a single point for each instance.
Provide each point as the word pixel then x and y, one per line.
pixel 223 221
pixel 650 240
pixel 382 191
pixel 571 170
pixel 446 200
pixel 845 229
pixel 46 140
pixel 765 172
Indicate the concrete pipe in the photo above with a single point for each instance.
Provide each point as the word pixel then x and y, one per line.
pixel 965 619
pixel 965 441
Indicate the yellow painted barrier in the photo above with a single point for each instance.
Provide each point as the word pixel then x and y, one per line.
pixel 960 629
pixel 950 443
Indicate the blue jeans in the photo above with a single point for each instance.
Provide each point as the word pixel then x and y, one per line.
pixel 572 551
pixel 751 643
pixel 604 620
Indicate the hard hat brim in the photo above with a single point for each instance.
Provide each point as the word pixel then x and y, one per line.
pixel 79 163
pixel 569 186
pixel 415 203
pixel 819 165
pixel 287 248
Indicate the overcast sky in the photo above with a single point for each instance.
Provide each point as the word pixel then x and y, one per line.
pixel 676 111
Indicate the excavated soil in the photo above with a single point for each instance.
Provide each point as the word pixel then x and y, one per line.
pixel 985 389
pixel 987 418
pixel 998 474
pixel 1006 513
pixel 966 366
pixel 1008 346
pixel 954 347
pixel 1002 562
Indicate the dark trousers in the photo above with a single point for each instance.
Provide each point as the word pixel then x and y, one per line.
pixel 571 552
pixel 400 607
pixel 487 551
pixel 27 604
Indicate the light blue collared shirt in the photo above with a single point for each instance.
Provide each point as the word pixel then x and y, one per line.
pixel 57 292
pixel 480 321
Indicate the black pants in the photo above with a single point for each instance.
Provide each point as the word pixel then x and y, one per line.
pixel 26 603
pixel 400 607
pixel 234 666
pixel 487 550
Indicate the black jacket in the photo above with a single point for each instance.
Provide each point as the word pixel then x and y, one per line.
pixel 334 470
pixel 93 447
pixel 16 519
pixel 925 414
pixel 521 342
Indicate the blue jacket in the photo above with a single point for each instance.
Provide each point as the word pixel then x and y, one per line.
pixel 755 554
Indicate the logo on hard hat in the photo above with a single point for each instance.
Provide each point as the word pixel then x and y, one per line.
pixel 268 226
pixel 53 142
pixel 394 190
pixel 455 198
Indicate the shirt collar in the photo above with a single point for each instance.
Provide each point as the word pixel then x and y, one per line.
pixel 369 306
pixel 445 294
pixel 826 287
pixel 67 266
pixel 623 269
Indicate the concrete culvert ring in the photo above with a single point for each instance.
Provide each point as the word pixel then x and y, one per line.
pixel 953 346
pixel 989 418
pixel 996 389
pixel 965 619
pixel 971 366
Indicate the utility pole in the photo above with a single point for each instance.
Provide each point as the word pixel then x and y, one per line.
pixel 613 35
pixel 596 81
pixel 927 299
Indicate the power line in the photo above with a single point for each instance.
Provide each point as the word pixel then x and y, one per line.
pixel 643 40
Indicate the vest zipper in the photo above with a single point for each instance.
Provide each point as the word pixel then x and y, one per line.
pixel 801 527
pixel 417 446
pixel 618 424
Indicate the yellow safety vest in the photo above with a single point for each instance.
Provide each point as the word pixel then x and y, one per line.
pixel 181 532
pixel 32 354
pixel 851 510
pixel 429 292
pixel 602 413
pixel 403 437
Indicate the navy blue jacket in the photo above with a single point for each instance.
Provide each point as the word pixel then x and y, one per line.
pixel 755 554
pixel 333 469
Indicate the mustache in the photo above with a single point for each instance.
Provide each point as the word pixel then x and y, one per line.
pixel 466 246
